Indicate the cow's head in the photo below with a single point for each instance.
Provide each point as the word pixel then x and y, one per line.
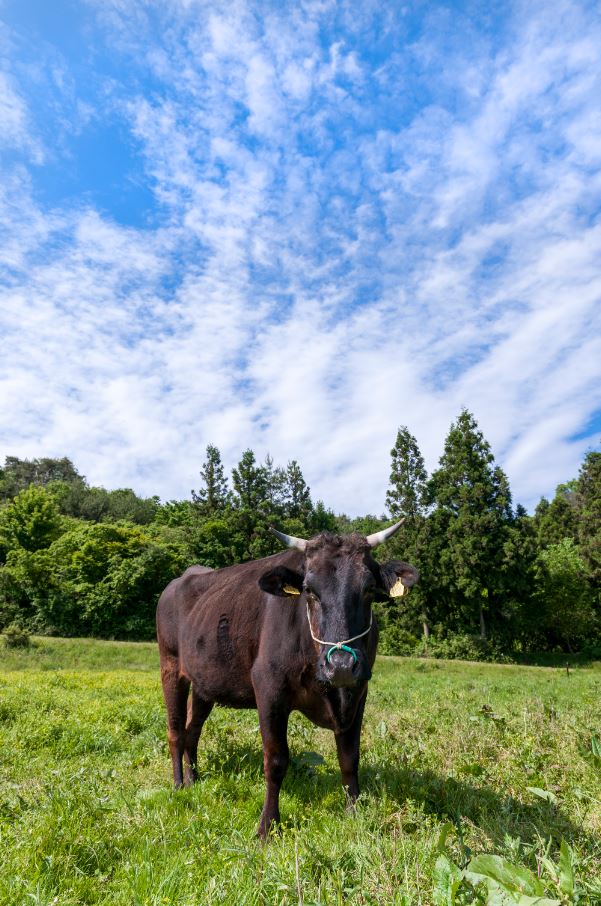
pixel 339 581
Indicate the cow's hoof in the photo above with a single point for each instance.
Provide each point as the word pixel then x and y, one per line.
pixel 267 828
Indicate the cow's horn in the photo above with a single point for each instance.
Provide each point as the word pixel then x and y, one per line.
pixel 299 543
pixel 384 535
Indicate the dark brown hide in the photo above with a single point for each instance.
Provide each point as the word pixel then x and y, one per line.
pixel 236 637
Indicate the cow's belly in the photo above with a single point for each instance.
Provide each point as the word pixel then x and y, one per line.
pixel 226 683
pixel 216 654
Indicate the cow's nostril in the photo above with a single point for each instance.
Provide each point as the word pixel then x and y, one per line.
pixel 341 658
pixel 342 650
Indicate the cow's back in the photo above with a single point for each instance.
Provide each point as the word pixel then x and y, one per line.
pixel 217 621
pixel 175 603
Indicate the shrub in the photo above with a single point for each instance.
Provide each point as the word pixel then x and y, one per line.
pixel 396 640
pixel 462 647
pixel 16 636
pixel 98 579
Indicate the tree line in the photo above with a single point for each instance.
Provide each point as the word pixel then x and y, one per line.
pixel 495 582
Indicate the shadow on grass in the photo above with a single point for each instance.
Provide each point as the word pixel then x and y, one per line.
pixel 559 659
pixel 232 759
pixel 447 798
pixel 496 814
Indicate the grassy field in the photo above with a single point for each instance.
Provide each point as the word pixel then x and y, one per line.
pixel 459 760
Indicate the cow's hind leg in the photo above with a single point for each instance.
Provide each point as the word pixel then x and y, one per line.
pixel 198 711
pixel 175 692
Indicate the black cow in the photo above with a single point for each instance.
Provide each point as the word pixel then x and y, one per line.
pixel 293 631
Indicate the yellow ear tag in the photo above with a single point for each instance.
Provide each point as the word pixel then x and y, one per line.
pixel 398 589
pixel 291 590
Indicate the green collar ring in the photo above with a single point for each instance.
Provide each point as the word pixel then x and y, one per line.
pixel 342 648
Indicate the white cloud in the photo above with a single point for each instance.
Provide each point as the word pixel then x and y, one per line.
pixel 317 279
pixel 15 128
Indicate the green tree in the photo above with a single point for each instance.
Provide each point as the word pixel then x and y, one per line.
pixel 297 494
pixel 519 617
pixel 125 504
pixel 98 505
pixel 407 493
pixel 322 520
pixel 251 508
pixel 473 511
pixel 217 541
pixel 407 498
pixel 559 518
pixel 175 513
pixel 18 474
pixel 588 491
pixel 80 501
pixel 213 495
pixel 30 521
pixel 250 483
pixel 362 525
pixel 564 594
pixel 275 488
pixel 99 579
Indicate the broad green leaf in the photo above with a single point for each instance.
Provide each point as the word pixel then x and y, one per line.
pixel 547 795
pixel 445 830
pixel 497 895
pixel 447 879
pixel 596 748
pixel 566 869
pixel 513 878
pixel 382 728
pixel 537 901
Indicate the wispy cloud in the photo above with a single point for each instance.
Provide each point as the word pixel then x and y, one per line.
pixel 362 219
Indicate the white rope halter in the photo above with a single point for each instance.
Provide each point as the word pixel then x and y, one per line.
pixel 338 645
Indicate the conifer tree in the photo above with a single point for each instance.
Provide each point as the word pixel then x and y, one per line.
pixel 406 495
pixel 297 493
pixel 406 498
pixel 250 482
pixel 275 487
pixel 251 508
pixel 473 512
pixel 213 495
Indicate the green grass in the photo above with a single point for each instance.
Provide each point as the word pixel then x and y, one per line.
pixel 87 813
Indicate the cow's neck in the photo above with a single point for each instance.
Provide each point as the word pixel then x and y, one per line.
pixel 343 704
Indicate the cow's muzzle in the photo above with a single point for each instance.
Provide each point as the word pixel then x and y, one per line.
pixel 343 670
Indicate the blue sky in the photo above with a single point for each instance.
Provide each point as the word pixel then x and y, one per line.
pixel 296 227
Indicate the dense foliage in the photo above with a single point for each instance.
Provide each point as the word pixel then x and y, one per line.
pixel 496 582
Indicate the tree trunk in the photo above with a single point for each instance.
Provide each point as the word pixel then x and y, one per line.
pixel 426 630
pixel 482 624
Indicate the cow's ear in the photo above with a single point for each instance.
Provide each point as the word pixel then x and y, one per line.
pixel 281 581
pixel 397 577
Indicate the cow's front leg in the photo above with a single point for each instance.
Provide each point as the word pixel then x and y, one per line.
pixel 273 721
pixel 347 745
